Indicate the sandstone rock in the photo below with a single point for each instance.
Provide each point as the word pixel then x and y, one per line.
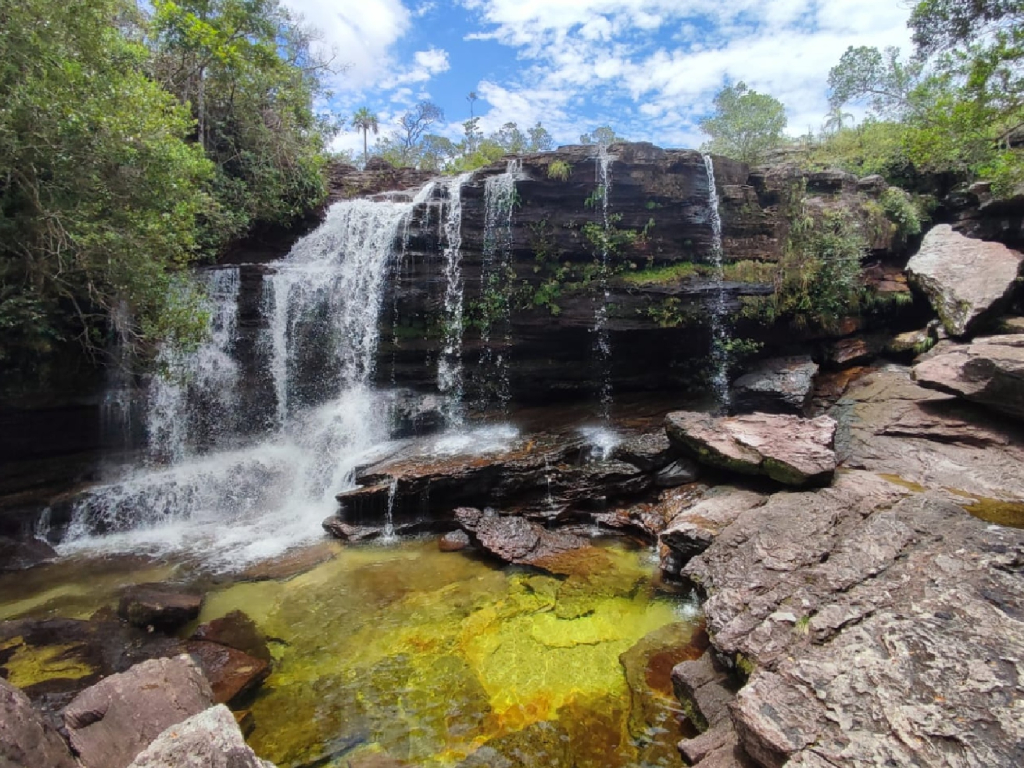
pixel 706 690
pixel 160 606
pixel 967 281
pixel 679 472
pixel 291 563
pixel 787 449
pixel 235 630
pixel 693 530
pixel 650 452
pixel 855 350
pixel 989 371
pixel 26 740
pixel 909 343
pixel 517 540
pixel 210 739
pixel 779 385
pixel 230 672
pixel 1009 325
pixel 21 554
pixel 110 723
pixel 453 541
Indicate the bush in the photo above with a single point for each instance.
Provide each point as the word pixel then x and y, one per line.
pixel 559 170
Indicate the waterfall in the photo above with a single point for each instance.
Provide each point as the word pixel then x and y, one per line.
pixel 719 328
pixel 230 503
pixel 496 282
pixel 449 366
pixel 602 342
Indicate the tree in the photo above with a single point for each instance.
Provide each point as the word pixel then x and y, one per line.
pixel 835 120
pixel 540 139
pixel 471 98
pixel 364 120
pixel 746 125
pixel 100 188
pixel 415 123
pixel 604 135
pixel 877 77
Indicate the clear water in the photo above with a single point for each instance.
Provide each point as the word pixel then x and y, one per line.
pixel 720 333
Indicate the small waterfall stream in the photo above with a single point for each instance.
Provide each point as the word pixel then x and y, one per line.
pixel 495 283
pixel 719 328
pixel 449 365
pixel 602 342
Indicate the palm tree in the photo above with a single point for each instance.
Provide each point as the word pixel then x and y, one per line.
pixel 364 120
pixel 836 120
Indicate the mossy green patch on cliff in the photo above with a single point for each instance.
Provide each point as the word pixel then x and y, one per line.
pixel 667 275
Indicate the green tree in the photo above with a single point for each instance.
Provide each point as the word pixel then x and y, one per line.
pixel 99 189
pixel 364 120
pixel 604 135
pixel 836 120
pixel 540 139
pixel 876 77
pixel 746 125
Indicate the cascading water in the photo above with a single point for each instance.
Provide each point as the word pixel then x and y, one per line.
pixel 231 506
pixel 719 328
pixel 495 282
pixel 449 366
pixel 602 342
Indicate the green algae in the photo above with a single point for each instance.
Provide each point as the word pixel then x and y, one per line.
pixel 997 511
pixel 437 658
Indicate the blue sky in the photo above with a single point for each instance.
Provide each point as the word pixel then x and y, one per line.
pixel 648 68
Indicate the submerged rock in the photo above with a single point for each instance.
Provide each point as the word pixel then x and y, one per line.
pixel 230 672
pixel 779 385
pixel 19 555
pixel 988 371
pixel 110 723
pixel 967 281
pixel 788 449
pixel 235 630
pixel 453 541
pixel 26 740
pixel 160 606
pixel 210 739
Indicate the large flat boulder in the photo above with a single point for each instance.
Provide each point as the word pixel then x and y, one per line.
pixel 989 371
pixel 110 723
pixel 161 606
pixel 210 739
pixel 517 540
pixel 788 449
pixel 26 740
pixel 778 385
pixel 967 281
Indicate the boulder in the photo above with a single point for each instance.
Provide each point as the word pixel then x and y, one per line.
pixel 967 281
pixel 650 451
pixel 779 385
pixel 788 449
pixel 161 606
pixel 230 672
pixel 517 540
pixel 235 630
pixel 210 739
pixel 693 530
pixel 679 472
pixel 26 740
pixel 110 723
pixel 988 371
pixel 453 541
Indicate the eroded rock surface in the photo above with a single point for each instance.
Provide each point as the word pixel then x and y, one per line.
pixel 517 540
pixel 967 281
pixel 210 739
pixel 160 606
pixel 110 723
pixel 26 740
pixel 788 449
pixel 989 371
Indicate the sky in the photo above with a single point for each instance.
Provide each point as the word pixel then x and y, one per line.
pixel 648 68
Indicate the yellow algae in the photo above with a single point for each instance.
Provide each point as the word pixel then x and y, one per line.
pixel 904 483
pixel 29 665
pixel 998 511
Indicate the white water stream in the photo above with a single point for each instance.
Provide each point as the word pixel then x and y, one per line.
pixel 719 329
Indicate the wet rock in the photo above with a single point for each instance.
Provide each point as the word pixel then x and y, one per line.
pixel 26 740
pixel 453 541
pixel 967 281
pixel 210 739
pixel 855 350
pixel 679 472
pixel 788 449
pixel 909 343
pixel 290 564
pixel 517 540
pixel 110 723
pixel 160 606
pixel 19 555
pixel 235 630
pixel 706 688
pixel 779 385
pixel 650 452
pixel 862 600
pixel 231 673
pixel 988 371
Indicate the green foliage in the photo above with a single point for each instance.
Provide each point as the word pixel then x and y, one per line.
pixel 364 120
pixel 738 349
pixel 667 275
pixel 100 192
pixel 673 313
pixel 559 170
pixel 873 147
pixel 901 211
pixel 746 124
pixel 602 136
pixel 879 77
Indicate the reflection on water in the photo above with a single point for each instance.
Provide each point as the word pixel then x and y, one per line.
pixel 410 655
